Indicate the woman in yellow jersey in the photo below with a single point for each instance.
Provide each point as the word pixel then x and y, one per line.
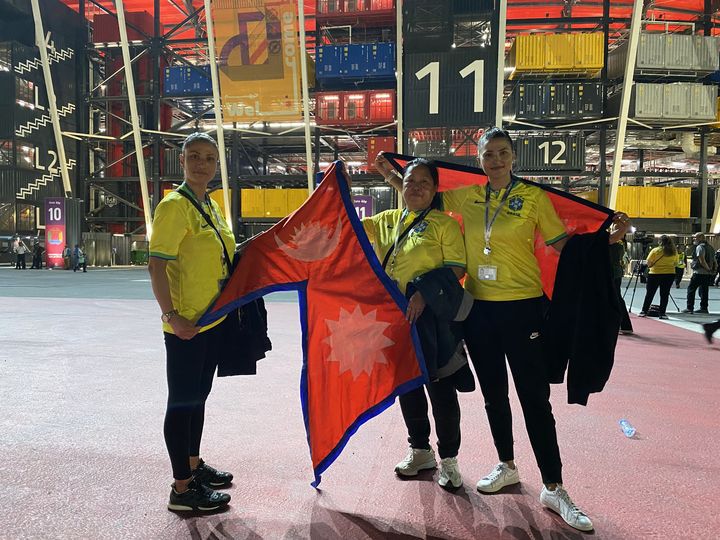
pixel 662 262
pixel 413 242
pixel 187 267
pixel 501 219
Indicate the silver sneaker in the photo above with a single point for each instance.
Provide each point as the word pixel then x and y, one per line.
pixel 417 459
pixel 501 476
pixel 560 502
pixel 450 477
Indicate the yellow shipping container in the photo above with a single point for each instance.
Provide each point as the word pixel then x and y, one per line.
pixel 296 197
pixel 651 202
pixel 628 200
pixel 529 52
pixel 559 52
pixel 217 196
pixel 677 202
pixel 276 203
pixel 717 113
pixel 589 51
pixel 252 203
pixel 591 196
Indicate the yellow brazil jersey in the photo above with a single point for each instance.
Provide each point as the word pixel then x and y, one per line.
pixel 659 263
pixel 526 209
pixel 433 242
pixel 196 266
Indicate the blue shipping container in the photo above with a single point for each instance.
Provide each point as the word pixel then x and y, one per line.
pixel 186 81
pixel 327 62
pixel 381 60
pixel 354 61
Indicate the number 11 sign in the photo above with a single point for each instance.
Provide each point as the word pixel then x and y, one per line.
pixel 448 89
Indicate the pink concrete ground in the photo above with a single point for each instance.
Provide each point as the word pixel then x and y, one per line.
pixel 82 396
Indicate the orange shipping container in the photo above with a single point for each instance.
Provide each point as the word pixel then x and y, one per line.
pixel 377 145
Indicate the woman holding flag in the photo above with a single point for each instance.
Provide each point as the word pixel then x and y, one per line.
pixel 417 246
pixel 501 220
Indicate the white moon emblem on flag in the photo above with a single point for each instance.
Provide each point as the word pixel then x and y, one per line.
pixel 311 242
pixel 357 341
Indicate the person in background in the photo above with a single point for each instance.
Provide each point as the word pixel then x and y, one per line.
pixel 717 266
pixel 187 268
pixel 501 221
pixel 680 266
pixel 703 266
pixel 413 243
pixel 617 259
pixel 37 252
pixel 20 251
pixel 661 262
pixel 66 253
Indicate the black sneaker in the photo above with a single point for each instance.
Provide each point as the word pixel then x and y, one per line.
pixel 211 477
pixel 197 498
pixel 703 311
pixel 688 310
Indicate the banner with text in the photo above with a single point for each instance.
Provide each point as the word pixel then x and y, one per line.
pixel 258 56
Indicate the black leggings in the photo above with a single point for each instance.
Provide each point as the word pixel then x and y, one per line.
pixel 493 331
pixel 190 369
pixel 664 282
pixel 446 411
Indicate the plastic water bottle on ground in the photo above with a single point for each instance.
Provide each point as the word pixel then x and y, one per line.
pixel 627 428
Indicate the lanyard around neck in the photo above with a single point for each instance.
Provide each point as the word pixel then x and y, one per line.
pixel 490 222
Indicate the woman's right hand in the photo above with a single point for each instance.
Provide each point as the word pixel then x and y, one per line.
pixel 183 328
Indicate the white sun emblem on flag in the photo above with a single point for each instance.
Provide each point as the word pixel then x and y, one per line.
pixel 356 341
pixel 311 242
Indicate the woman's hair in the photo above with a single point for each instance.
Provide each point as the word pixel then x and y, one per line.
pixel 667 245
pixel 495 133
pixel 196 137
pixel 431 166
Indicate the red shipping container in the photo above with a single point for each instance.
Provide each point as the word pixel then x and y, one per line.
pixel 328 109
pixel 382 5
pixel 105 26
pixel 355 108
pixel 382 106
pixel 377 145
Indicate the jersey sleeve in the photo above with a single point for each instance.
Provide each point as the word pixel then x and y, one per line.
pixel 453 245
pixel 369 226
pixel 169 228
pixel 548 222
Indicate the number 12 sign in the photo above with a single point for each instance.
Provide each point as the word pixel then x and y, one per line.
pixel 448 89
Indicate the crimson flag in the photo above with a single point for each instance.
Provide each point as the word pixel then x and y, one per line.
pixel 359 352
pixel 578 215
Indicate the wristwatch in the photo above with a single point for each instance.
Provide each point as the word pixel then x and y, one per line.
pixel 168 315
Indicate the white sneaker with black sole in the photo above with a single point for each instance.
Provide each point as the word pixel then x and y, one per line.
pixel 450 477
pixel 560 502
pixel 501 476
pixel 416 460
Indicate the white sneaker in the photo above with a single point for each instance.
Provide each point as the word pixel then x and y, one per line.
pixel 560 502
pixel 417 459
pixel 449 473
pixel 501 476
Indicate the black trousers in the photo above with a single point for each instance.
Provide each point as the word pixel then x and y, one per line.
pixel 679 273
pixel 625 323
pixel 190 369
pixel 494 331
pixel 701 283
pixel 664 282
pixel 446 412
pixel 20 262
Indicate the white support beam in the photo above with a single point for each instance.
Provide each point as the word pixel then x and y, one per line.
pixel 41 43
pixel 219 130
pixel 715 223
pixel 500 82
pixel 135 119
pixel 305 97
pixel 628 81
pixel 399 75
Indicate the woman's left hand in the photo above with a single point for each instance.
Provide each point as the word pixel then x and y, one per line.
pixel 415 307
pixel 621 220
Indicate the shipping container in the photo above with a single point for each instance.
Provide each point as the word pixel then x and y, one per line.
pixel 252 203
pixel 354 108
pixel 187 81
pixel 530 101
pixel 559 52
pixel 353 61
pixel 648 100
pixel 327 62
pixel 556 101
pixel 706 53
pixel 677 202
pixel 381 60
pixel 652 202
pixel 328 107
pixel 276 203
pixel 559 101
pixel 591 195
pixel 375 146
pixel 703 101
pixel 295 198
pixel 527 53
pixel 679 52
pixel 628 200
pixel 651 51
pixel 105 26
pixel 382 106
pixel 589 51
pixel 676 101
pixel 538 153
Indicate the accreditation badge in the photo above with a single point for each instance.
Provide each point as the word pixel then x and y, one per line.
pixel 487 273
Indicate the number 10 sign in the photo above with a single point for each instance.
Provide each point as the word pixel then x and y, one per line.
pixel 448 89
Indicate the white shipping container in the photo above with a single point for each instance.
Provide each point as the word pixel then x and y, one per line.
pixel 676 100
pixel 706 53
pixel 703 101
pixel 679 52
pixel 648 100
pixel 651 51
